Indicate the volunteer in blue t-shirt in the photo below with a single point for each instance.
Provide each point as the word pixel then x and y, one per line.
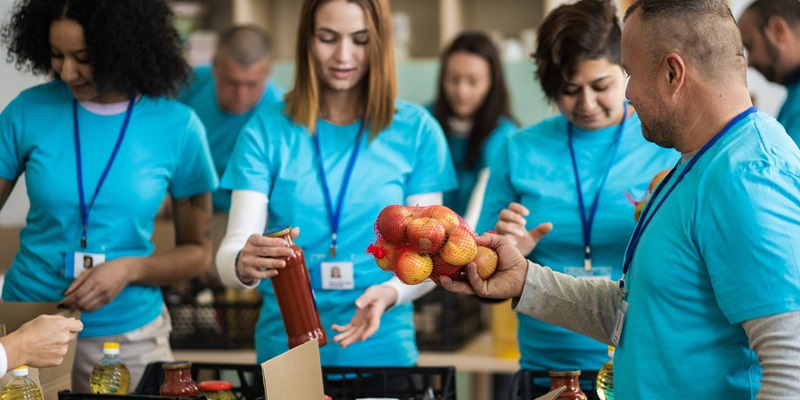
pixel 472 106
pixel 575 171
pixel 226 93
pixel 100 147
pixel 708 305
pixel 327 161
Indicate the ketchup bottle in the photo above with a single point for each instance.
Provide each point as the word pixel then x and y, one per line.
pixel 295 296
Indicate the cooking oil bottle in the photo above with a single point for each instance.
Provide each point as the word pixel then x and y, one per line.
pixel 110 375
pixel 605 378
pixel 21 387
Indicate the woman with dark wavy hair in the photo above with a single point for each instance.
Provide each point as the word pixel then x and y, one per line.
pixel 101 146
pixel 473 108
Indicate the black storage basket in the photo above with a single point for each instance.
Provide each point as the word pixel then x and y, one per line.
pixel 446 321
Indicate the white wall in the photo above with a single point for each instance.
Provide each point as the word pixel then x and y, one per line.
pixel 11 83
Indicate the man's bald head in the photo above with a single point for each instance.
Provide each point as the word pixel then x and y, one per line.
pixel 245 44
pixel 703 32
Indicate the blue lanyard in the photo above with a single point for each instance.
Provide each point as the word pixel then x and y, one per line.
pixel 643 220
pixel 587 222
pixel 84 208
pixel 334 217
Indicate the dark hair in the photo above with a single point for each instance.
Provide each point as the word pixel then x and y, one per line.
pixel 132 44
pixel 571 34
pixel 495 105
pixel 763 10
pixel 245 44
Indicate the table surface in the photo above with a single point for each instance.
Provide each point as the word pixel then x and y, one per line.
pixel 476 357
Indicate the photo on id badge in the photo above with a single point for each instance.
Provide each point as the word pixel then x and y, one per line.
pixel 76 263
pixel 336 275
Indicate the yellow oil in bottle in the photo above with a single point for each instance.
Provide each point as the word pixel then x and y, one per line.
pixel 21 387
pixel 110 375
pixel 504 331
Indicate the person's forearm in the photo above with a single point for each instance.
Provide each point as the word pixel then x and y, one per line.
pixel 191 256
pixel 776 342
pixel 247 215
pixel 585 306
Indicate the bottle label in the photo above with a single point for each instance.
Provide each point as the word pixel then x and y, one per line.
pixel 337 275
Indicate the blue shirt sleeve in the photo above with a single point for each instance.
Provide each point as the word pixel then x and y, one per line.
pixel 195 173
pixel 11 164
pixel 248 166
pixel 433 169
pixel 748 236
pixel 495 141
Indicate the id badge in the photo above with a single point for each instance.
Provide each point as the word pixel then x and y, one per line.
pixel 594 273
pixel 337 275
pixel 76 263
pixel 619 321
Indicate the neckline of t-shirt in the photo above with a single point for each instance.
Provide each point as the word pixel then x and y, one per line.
pixel 106 109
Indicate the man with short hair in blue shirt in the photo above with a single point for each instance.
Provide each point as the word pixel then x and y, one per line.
pixel 708 306
pixel 771 35
pixel 226 93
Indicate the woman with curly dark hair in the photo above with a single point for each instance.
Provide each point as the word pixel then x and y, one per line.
pixel 101 147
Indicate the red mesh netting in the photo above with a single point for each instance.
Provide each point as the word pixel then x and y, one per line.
pixel 417 243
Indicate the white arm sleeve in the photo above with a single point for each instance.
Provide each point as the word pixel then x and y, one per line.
pixel 407 293
pixel 3 361
pixel 248 215
pixel 476 199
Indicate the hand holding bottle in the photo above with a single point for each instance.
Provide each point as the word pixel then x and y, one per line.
pixel 262 257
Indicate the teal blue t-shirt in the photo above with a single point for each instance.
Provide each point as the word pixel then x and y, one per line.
pixel 221 127
pixel 458 199
pixel 164 151
pixel 276 157
pixel 789 115
pixel 721 250
pixel 534 168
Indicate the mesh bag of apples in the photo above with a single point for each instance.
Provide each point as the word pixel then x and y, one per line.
pixel 418 243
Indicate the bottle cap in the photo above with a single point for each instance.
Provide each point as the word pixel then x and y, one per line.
pixel 111 348
pixel 212 386
pixel 177 365
pixel 557 373
pixel 279 231
pixel 20 371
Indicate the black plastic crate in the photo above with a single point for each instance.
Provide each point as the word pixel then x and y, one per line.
pixel 446 321
pixel 206 319
pixel 526 388
pixel 341 383
pixel 67 395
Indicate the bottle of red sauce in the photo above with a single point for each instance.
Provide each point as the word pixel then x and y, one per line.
pixel 570 380
pixel 295 296
pixel 178 380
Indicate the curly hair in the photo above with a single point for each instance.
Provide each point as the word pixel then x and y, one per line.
pixel 132 44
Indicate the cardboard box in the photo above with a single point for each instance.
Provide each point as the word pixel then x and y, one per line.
pixel 51 380
pixel 295 374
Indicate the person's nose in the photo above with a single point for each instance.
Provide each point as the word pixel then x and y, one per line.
pixel 69 70
pixel 588 99
pixel 344 50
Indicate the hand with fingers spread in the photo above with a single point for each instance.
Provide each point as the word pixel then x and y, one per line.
pixel 370 308
pixel 511 223
pixel 100 285
pixel 263 257
pixel 507 281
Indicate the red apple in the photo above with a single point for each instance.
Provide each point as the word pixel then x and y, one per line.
pixel 486 261
pixel 382 251
pixel 460 247
pixel 410 266
pixel 391 224
pixel 425 234
pixel 447 217
pixel 442 268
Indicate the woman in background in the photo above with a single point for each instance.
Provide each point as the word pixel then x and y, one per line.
pixel 473 108
pixel 340 123
pixel 100 147
pixel 570 173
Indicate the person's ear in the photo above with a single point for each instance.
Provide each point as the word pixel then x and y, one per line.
pixel 674 71
pixel 777 30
